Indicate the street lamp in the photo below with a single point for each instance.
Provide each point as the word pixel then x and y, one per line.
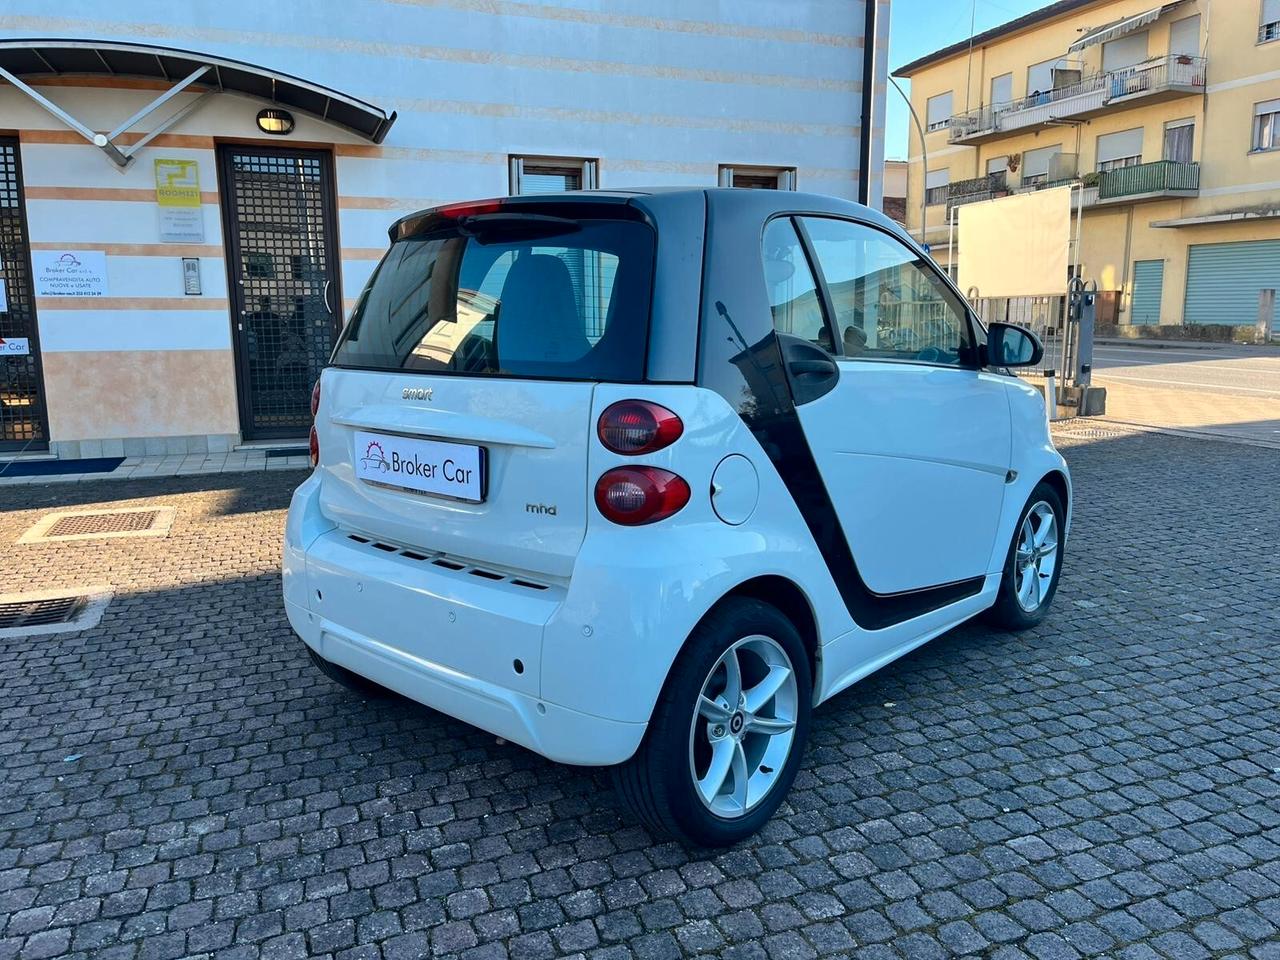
pixel 924 156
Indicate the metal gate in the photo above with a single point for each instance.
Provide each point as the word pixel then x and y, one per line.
pixel 1048 317
pixel 23 421
pixel 1224 281
pixel 282 259
pixel 1148 290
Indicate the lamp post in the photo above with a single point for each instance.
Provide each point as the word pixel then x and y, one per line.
pixel 924 156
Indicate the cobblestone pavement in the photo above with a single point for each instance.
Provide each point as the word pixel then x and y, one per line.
pixel 180 781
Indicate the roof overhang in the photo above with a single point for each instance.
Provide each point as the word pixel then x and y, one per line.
pixel 1119 28
pixel 1218 219
pixel 32 60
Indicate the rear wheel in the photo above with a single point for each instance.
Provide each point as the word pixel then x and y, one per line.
pixel 1034 563
pixel 343 676
pixel 728 731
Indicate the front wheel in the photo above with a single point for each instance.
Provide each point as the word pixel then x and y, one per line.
pixel 728 731
pixel 1034 563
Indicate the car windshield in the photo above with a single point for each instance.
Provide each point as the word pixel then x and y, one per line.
pixel 516 296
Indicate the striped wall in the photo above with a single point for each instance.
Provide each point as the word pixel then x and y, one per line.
pixel 660 91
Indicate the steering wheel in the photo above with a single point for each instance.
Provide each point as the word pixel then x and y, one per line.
pixel 932 355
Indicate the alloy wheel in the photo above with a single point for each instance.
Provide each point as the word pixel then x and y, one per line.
pixel 743 727
pixel 1036 556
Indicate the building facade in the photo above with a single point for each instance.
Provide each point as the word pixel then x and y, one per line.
pixel 1167 116
pixel 192 196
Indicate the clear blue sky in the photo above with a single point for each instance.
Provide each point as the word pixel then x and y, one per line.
pixel 917 27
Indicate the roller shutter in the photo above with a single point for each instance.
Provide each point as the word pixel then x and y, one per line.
pixel 1224 280
pixel 1148 287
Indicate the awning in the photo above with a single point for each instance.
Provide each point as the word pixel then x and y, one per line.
pixel 1119 28
pixel 33 59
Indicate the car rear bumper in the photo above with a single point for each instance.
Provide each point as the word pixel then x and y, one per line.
pixel 464 645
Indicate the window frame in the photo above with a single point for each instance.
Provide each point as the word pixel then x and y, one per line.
pixel 972 326
pixel 941 186
pixel 1268 30
pixel 931 126
pixel 815 272
pixel 727 173
pixel 1260 119
pixel 587 169
pixel 1177 125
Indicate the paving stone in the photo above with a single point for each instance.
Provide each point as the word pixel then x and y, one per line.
pixel 1104 785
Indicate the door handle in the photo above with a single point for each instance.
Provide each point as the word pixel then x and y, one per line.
pixel 824 367
pixel 326 296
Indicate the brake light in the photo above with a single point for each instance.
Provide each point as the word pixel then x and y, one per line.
pixel 313 441
pixel 470 208
pixel 633 427
pixel 633 496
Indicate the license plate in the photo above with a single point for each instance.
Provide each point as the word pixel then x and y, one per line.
pixel 436 467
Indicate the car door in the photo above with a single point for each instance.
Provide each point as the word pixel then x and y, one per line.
pixel 912 438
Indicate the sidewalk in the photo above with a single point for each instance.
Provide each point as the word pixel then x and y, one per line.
pixel 136 468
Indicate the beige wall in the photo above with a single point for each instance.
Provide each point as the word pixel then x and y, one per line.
pixel 1240 73
pixel 151 393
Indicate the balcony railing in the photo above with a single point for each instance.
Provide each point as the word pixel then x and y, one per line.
pixel 1159 177
pixel 1088 95
pixel 979 188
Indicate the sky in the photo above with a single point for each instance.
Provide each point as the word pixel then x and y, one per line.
pixel 918 27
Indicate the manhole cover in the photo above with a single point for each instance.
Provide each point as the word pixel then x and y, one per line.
pixel 78 524
pixel 51 611
pixel 40 613
pixel 99 524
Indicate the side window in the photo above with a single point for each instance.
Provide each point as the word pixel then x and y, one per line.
pixel 793 295
pixel 889 303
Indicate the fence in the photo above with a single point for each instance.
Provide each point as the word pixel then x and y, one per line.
pixel 1047 317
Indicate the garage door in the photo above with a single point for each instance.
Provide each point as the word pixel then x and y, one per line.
pixel 1224 279
pixel 1148 287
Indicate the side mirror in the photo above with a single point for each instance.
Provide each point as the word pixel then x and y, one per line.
pixel 1012 346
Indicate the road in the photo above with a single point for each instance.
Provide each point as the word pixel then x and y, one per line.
pixel 1225 390
pixel 1228 369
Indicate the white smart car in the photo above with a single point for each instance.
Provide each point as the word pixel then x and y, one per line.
pixel 639 478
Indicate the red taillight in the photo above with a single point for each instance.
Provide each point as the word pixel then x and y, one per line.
pixel 633 427
pixel 633 496
pixel 313 442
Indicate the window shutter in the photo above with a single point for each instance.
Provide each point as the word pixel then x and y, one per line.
pixel 1125 143
pixel 996 164
pixel 1184 36
pixel 1040 76
pixel 937 178
pixel 1271 11
pixel 1266 106
pixel 1002 87
pixel 1036 163
pixel 938 109
pixel 1124 51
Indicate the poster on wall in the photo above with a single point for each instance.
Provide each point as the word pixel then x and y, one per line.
pixel 69 273
pixel 181 218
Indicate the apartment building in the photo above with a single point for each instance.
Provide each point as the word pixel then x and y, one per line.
pixel 1166 115
pixel 193 195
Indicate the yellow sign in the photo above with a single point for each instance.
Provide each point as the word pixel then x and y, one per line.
pixel 178 183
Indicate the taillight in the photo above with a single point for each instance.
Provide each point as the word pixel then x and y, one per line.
pixel 633 427
pixel 633 496
pixel 313 442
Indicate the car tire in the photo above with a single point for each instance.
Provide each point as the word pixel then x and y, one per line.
pixel 693 736
pixel 1031 569
pixel 344 677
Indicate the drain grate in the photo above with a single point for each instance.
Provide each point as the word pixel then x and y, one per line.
pixel 41 613
pixel 100 524
pixel 79 524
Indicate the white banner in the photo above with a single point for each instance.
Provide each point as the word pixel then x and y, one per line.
pixel 69 273
pixel 1016 246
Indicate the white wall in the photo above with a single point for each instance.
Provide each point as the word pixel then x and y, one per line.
pixel 660 91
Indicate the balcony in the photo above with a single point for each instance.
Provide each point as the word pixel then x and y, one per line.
pixel 1149 181
pixel 1161 78
pixel 978 189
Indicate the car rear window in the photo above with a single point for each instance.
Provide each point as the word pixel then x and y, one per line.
pixel 509 295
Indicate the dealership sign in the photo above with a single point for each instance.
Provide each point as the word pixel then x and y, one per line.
pixel 69 273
